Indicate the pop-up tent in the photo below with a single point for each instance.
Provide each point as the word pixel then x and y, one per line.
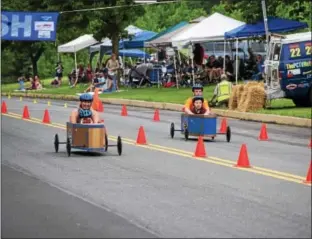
pixel 160 36
pixel 275 25
pixel 212 28
pixel 138 41
pixel 76 45
pixel 134 53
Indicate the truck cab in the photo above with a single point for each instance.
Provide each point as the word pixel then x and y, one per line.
pixel 288 68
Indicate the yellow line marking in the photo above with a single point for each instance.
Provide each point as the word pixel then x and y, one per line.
pixel 228 163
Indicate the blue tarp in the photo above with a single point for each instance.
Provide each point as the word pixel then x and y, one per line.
pixel 135 53
pixel 29 26
pixel 275 25
pixel 137 41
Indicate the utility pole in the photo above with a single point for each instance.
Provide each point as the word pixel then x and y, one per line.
pixel 265 19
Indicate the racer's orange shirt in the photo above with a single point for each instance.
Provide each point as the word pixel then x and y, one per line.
pixel 189 103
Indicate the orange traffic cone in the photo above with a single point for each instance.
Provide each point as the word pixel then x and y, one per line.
pixel 243 160
pixel 263 133
pixel 26 112
pixel 156 115
pixel 4 109
pixel 223 126
pixel 200 150
pixel 95 102
pixel 309 176
pixel 310 145
pixel 141 139
pixel 46 117
pixel 100 106
pixel 124 111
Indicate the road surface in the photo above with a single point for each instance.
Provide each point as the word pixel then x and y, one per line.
pixel 158 190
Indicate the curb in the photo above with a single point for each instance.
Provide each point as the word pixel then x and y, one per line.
pixel 265 118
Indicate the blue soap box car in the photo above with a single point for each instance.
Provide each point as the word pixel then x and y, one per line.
pixel 199 125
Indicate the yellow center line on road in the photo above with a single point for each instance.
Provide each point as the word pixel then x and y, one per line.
pixel 228 163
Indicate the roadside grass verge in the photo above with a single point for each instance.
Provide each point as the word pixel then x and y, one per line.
pixel 283 107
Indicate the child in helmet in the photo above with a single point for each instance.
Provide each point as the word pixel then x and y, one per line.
pixel 85 114
pixel 197 91
pixel 197 105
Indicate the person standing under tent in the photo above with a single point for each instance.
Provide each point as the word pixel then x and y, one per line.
pixel 113 66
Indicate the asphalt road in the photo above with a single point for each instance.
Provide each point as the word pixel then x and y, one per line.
pixel 159 187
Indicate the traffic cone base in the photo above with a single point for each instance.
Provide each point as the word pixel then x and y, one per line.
pixel 223 126
pixel 200 150
pixel 141 139
pixel 100 107
pixel 309 175
pixel 263 133
pixel 26 113
pixel 243 161
pixel 124 111
pixel 46 117
pixel 4 109
pixel 156 115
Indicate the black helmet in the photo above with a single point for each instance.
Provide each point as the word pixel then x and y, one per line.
pixel 197 86
pixel 198 98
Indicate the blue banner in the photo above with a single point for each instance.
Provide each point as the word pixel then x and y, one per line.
pixel 28 26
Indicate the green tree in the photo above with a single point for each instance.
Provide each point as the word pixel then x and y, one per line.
pixel 112 22
pixel 159 17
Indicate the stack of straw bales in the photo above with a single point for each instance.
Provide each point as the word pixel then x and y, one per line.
pixel 248 97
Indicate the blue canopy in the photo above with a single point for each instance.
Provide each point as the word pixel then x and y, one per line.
pixel 135 53
pixel 137 41
pixel 274 24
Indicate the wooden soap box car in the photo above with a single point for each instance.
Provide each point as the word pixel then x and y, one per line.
pixel 196 125
pixel 86 137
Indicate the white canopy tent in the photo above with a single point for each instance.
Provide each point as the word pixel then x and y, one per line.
pixel 76 45
pixel 212 28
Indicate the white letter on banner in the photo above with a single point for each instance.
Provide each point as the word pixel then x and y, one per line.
pixel 16 24
pixel 4 25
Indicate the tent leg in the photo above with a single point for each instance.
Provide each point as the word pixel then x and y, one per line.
pixel 236 66
pixel 76 67
pixel 193 73
pixel 224 56
pixel 175 70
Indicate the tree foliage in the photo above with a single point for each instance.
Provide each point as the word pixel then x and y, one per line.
pixel 18 56
pixel 159 17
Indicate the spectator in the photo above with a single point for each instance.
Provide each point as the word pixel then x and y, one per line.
pixel 105 81
pixel 21 81
pixel 94 81
pixel 113 66
pixel 56 82
pixel 229 69
pixel 214 68
pixel 59 72
pixel 222 92
pixel 199 53
pixel 259 68
pixel 89 73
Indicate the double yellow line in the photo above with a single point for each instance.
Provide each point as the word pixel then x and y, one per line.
pixel 228 163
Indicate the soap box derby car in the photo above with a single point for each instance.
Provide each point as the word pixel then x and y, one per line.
pixel 199 125
pixel 86 137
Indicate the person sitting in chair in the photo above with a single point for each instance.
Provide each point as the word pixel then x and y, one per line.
pixel 197 91
pixel 198 105
pixel 85 114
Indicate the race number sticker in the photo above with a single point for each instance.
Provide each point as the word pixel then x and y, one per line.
pixel 308 48
pixel 294 50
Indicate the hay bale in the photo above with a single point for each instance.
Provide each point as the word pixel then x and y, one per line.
pixel 243 97
pixel 240 91
pixel 255 100
pixel 233 98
